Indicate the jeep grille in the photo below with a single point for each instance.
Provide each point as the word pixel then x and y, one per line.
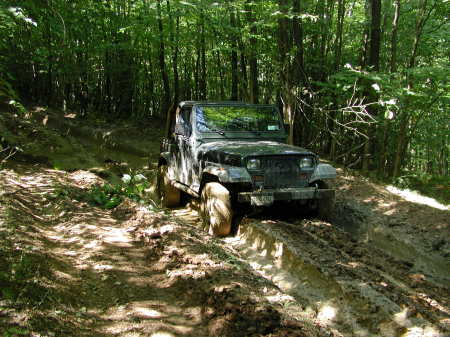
pixel 281 172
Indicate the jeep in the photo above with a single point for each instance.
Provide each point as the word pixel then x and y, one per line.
pixel 231 153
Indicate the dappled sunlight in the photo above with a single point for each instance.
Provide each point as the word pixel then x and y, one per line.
pixel 148 317
pixel 147 313
pixel 179 283
pixel 327 313
pixel 84 179
pixel 102 261
pixel 102 267
pixel 162 334
pixel 117 235
pixel 405 319
pixel 415 197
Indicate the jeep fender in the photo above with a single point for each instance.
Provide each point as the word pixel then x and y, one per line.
pixel 228 174
pixel 164 159
pixel 323 172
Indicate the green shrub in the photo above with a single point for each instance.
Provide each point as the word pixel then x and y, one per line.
pixel 109 196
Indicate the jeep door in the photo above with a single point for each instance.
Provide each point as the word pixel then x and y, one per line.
pixel 184 160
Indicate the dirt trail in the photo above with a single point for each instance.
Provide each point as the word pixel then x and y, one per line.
pixel 351 287
pixel 381 268
pixel 135 272
pixel 128 272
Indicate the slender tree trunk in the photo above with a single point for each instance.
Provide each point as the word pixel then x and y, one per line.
pixel 284 44
pixel 162 63
pixel 174 39
pixel 386 124
pixel 366 35
pixel 176 77
pixel 50 60
pixel 394 37
pixel 197 76
pixel 298 71
pixel 221 76
pixel 202 54
pixel 403 137
pixel 401 144
pixel 234 59
pixel 253 61
pixel 375 35
pixel 339 30
pixel 374 63
pixel 297 34
pixel 243 83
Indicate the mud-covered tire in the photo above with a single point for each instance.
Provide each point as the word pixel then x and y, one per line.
pixel 215 209
pixel 168 194
pixel 325 206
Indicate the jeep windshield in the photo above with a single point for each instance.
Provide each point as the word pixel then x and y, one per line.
pixel 244 118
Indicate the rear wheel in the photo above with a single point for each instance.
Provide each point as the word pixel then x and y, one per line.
pixel 215 209
pixel 168 194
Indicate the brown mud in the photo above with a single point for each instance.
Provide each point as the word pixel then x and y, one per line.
pixel 380 268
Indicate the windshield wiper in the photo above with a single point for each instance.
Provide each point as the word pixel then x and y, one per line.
pixel 220 132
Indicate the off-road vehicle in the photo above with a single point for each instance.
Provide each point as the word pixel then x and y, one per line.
pixel 227 153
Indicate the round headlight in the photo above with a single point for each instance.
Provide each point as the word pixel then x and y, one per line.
pixel 306 163
pixel 253 164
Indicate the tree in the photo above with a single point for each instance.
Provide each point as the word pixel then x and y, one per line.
pixel 341 70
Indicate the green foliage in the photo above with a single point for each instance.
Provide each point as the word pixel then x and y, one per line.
pixel 111 58
pixel 15 332
pixel 106 196
pixel 109 196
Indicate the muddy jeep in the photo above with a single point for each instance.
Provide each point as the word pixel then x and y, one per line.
pixel 233 153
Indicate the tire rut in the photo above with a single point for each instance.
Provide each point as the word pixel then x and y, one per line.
pixel 370 292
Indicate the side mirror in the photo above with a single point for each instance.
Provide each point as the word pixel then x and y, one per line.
pixel 182 130
pixel 179 129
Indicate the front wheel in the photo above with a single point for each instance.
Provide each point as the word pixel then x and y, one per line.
pixel 215 209
pixel 168 194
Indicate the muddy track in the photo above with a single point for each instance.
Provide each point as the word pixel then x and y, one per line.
pixel 351 287
pixel 370 292
pixel 333 281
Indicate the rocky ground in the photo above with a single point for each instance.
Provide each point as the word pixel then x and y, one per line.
pixel 68 268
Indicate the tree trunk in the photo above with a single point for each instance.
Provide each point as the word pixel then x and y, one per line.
pixel 401 145
pixel 174 39
pixel 374 63
pixel 162 63
pixel 297 35
pixel 253 61
pixel 234 60
pixel 284 43
pixel 339 30
pixel 394 35
pixel 202 54
pixel 375 35
pixel 403 137
pixel 366 35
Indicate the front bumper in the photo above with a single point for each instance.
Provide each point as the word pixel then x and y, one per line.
pixel 267 197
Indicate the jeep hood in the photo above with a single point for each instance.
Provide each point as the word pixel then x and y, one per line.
pixel 220 151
